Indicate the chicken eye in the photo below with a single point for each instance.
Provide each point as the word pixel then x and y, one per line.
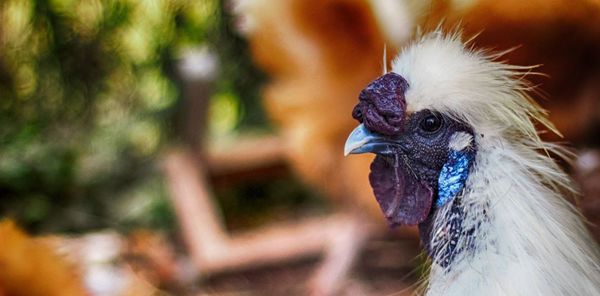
pixel 431 123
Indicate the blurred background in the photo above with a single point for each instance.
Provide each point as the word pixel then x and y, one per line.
pixel 195 147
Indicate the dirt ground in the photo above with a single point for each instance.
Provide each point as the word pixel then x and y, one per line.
pixel 389 266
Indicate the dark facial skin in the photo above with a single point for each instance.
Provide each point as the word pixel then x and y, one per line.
pixel 411 150
pixel 425 147
pixel 416 154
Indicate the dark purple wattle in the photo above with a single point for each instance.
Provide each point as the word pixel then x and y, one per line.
pixel 382 105
pixel 403 198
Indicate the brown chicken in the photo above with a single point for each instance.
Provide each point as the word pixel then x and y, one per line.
pixel 30 267
pixel 320 54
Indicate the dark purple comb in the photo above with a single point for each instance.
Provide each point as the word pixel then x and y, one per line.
pixel 382 106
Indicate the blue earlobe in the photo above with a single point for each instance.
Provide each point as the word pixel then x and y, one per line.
pixel 453 175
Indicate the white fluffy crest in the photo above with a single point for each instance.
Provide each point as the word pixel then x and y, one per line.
pixel 527 239
pixel 445 76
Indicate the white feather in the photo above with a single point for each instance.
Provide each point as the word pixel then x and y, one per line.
pixel 460 141
pixel 529 240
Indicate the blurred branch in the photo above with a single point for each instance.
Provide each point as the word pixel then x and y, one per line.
pixel 197 71
pixel 200 223
pixel 249 154
pixel 213 250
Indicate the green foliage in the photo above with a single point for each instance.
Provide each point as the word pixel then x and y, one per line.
pixel 239 78
pixel 86 97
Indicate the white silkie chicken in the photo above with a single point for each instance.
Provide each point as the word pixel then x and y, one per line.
pixel 459 156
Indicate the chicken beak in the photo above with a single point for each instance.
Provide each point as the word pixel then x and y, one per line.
pixel 361 140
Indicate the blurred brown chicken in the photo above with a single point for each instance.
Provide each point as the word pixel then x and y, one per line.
pixel 320 54
pixel 30 267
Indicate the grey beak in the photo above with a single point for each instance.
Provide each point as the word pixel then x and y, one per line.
pixel 361 140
